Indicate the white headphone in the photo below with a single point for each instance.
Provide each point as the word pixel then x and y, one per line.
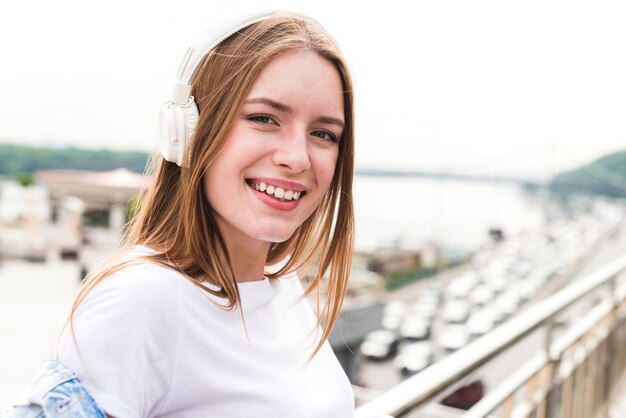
pixel 179 115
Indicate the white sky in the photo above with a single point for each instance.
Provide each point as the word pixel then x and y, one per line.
pixel 496 87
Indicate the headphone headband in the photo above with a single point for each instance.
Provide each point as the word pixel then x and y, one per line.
pixel 179 115
pixel 222 29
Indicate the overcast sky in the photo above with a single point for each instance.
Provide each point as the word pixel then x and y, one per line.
pixel 497 87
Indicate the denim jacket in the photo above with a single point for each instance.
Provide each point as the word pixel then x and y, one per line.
pixel 54 392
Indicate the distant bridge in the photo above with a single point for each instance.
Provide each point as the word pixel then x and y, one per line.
pixel 448 176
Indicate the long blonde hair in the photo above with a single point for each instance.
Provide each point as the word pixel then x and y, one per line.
pixel 175 218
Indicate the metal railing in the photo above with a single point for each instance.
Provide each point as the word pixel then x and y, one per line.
pixel 571 376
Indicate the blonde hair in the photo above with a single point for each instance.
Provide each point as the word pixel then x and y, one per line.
pixel 175 218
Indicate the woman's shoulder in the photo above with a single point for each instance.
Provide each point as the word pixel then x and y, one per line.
pixel 142 280
pixel 135 303
pixel 125 335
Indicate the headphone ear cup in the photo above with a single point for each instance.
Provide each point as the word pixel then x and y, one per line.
pixel 176 126
pixel 191 116
pixel 167 133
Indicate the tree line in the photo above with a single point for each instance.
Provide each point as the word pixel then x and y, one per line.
pixel 17 160
pixel 605 176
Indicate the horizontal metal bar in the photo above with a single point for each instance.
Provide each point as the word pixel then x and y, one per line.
pixel 423 386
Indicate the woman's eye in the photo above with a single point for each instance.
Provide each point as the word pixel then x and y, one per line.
pixel 262 119
pixel 325 136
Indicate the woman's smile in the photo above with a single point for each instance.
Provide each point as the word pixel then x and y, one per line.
pixel 280 189
pixel 275 196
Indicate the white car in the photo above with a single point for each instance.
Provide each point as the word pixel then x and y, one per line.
pixel 461 286
pixel 495 313
pixel 479 324
pixel 392 322
pixel 453 337
pixel 415 328
pixel 424 310
pixel 394 314
pixel 396 307
pixel 380 345
pixel 481 295
pixel 455 311
pixel 509 302
pixel 415 357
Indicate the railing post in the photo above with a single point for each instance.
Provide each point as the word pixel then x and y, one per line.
pixel 609 378
pixel 553 401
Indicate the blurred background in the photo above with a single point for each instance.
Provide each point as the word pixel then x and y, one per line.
pixel 491 152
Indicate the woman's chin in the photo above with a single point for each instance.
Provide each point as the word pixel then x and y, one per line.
pixel 274 236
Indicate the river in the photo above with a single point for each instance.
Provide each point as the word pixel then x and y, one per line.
pixel 412 210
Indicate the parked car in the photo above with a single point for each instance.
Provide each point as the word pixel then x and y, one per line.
pixel 498 283
pixel 394 314
pixel 495 313
pixel 380 345
pixel 479 323
pixel 392 322
pixel 455 311
pixel 509 302
pixel 461 286
pixel 481 295
pixel 415 328
pixel 396 307
pixel 466 396
pixel 426 310
pixel 453 337
pixel 415 357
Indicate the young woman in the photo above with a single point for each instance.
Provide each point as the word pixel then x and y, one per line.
pixel 204 315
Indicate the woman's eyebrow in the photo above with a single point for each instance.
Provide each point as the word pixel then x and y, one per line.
pixel 276 105
pixel 331 121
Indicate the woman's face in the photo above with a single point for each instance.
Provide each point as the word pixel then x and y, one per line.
pixel 279 159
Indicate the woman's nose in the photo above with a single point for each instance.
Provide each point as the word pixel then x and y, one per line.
pixel 292 152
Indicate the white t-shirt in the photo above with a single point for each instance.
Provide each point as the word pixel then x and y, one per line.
pixel 152 344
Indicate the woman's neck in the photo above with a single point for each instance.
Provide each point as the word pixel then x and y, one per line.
pixel 248 266
pixel 247 256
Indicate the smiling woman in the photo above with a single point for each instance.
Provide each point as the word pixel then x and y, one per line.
pixel 202 313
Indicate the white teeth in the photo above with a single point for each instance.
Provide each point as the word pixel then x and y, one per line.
pixel 277 192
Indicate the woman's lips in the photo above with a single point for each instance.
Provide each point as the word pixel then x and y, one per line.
pixel 275 190
pixel 278 188
pixel 275 202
